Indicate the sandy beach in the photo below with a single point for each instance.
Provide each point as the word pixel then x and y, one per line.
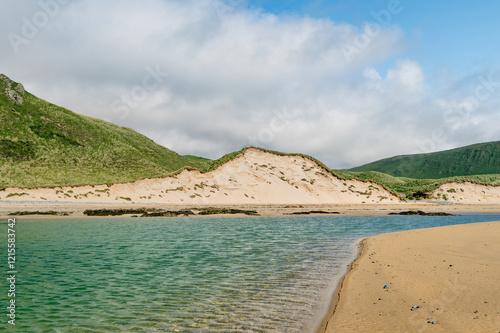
pixel 427 280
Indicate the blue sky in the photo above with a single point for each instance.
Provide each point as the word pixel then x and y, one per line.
pixel 459 36
pixel 330 79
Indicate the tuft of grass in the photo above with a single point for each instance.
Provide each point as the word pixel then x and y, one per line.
pixel 174 189
pixel 16 194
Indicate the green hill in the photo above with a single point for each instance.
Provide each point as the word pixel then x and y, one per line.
pixel 477 159
pixel 42 144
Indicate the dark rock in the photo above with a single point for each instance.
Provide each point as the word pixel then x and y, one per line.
pixel 313 212
pixel 50 212
pixel 145 212
pixel 168 213
pixel 421 213
pixel 113 212
pixel 213 211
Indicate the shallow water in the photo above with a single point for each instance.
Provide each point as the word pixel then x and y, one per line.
pixel 252 274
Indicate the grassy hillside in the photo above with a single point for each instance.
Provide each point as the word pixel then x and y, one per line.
pixel 200 163
pixel 42 144
pixel 478 159
pixel 412 188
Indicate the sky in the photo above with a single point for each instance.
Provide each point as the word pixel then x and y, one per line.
pixel 347 82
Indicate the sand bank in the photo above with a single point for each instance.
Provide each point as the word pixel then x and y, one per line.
pixel 449 274
pixel 76 209
pixel 467 193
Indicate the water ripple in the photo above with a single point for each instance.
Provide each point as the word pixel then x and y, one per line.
pixel 186 275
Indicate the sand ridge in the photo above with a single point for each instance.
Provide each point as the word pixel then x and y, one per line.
pixel 449 274
pixel 254 177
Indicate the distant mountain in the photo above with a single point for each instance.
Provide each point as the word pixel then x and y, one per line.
pixel 42 144
pixel 477 159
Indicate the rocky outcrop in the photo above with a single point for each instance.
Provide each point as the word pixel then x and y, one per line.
pixel 5 80
pixel 12 90
pixel 20 89
pixel 14 96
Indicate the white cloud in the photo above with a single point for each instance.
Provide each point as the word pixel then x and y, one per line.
pixel 407 73
pixel 235 78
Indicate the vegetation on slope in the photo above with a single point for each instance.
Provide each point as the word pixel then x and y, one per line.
pixel 412 188
pixel 224 159
pixel 42 144
pixel 404 187
pixel 200 163
pixel 478 159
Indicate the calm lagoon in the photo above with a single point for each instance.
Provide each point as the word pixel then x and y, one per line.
pixel 252 274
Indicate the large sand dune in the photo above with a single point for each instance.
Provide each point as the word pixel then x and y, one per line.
pixel 255 177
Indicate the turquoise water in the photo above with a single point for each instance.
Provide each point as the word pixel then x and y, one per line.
pixel 251 274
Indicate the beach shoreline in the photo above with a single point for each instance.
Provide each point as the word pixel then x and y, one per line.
pixel 334 299
pixel 439 278
pixel 77 209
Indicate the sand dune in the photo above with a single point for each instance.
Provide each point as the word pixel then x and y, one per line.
pixel 254 177
pixel 449 274
pixel 467 193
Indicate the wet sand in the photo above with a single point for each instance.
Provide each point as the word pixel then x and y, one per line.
pixel 441 279
pixel 77 209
